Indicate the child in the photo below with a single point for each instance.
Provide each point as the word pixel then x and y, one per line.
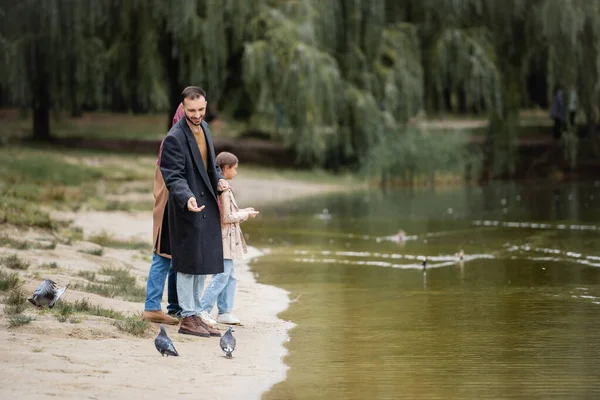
pixel 222 287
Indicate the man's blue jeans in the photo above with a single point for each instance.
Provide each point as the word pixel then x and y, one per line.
pixel 160 268
pixel 221 290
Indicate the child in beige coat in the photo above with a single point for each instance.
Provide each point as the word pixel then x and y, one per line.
pixel 222 286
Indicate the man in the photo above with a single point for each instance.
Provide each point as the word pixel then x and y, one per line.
pixel 161 257
pixel 188 166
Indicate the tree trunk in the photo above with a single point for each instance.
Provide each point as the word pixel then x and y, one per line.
pixel 447 96
pixel 462 100
pixel 40 88
pixel 171 64
pixel 41 120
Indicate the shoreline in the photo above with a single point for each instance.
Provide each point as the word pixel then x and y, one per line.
pixel 91 358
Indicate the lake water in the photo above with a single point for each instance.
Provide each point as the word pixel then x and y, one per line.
pixel 517 318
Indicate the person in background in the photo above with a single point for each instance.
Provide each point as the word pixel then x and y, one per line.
pixel 572 106
pixel 557 112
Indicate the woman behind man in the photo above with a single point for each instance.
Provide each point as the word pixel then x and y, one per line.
pixel 222 286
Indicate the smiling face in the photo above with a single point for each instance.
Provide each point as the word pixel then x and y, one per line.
pixel 230 172
pixel 194 110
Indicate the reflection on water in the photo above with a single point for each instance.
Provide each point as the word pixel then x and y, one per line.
pixel 515 318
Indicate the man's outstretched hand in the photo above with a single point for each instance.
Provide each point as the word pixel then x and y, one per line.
pixel 192 205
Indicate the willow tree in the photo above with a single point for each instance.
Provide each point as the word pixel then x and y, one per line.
pixel 167 45
pixel 342 76
pixel 50 55
pixel 572 33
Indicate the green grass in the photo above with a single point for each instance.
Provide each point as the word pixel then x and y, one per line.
pixel 117 283
pixel 14 262
pixel 107 240
pixel 19 320
pixel 22 213
pixel 22 244
pixel 9 280
pixel 135 326
pixel 70 234
pixel 100 204
pixel 64 310
pixel 106 125
pixel 18 244
pixel 16 302
pixel 50 265
pixel 94 252
pixel 64 179
pixel 87 275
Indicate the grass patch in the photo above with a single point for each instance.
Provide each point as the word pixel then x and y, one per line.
pixel 22 213
pixel 14 262
pixel 120 283
pixel 19 320
pixel 18 244
pixel 8 280
pixel 103 238
pixel 100 204
pixel 94 252
pixel 49 246
pixel 88 275
pixel 38 349
pixel 49 265
pixel 64 179
pixel 63 310
pixel 135 326
pixel 70 234
pixel 107 240
pixel 16 302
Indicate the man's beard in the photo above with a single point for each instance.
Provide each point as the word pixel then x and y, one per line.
pixel 192 122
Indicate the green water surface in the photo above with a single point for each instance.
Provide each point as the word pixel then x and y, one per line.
pixel 517 318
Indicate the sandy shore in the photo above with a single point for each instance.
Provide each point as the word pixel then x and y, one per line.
pixel 91 359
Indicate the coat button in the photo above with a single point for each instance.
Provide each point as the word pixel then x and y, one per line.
pixel 204 216
pixel 202 194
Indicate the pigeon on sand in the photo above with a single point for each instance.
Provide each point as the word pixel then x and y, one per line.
pixel 164 344
pixel 46 294
pixel 227 343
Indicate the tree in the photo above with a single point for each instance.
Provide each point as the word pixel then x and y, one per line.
pixel 51 55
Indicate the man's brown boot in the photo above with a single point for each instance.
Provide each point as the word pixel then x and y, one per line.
pixel 159 317
pixel 189 327
pixel 201 324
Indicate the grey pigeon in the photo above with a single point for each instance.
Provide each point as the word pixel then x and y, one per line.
pixel 227 343
pixel 46 294
pixel 164 344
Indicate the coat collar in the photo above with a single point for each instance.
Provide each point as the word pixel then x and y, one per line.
pixel 196 156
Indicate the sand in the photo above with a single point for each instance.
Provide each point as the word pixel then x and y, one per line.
pixel 89 358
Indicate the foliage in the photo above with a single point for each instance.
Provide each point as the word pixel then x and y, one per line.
pixel 334 79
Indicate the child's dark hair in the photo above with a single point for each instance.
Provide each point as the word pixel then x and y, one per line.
pixel 226 159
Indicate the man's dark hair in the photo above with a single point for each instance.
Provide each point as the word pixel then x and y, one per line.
pixel 192 93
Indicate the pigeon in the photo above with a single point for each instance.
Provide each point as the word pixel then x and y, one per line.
pixel 227 343
pixel 46 294
pixel 164 344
